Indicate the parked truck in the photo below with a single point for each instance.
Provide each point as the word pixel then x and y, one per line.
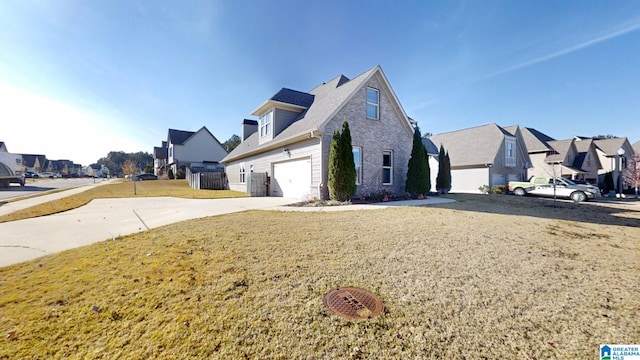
pixel 560 187
pixel 10 169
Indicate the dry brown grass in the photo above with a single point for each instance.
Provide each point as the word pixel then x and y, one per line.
pixel 123 189
pixel 487 277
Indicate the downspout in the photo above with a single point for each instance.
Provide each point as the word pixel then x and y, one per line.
pixel 312 135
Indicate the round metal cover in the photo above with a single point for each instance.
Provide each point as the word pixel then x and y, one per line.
pixel 353 303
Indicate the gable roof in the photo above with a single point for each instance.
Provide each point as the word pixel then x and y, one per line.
pixel 536 141
pixel 473 146
pixel 610 146
pixel 29 160
pixel 561 148
pixel 326 100
pixel 178 137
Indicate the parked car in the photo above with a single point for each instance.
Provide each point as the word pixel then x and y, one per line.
pixel 140 177
pixel 560 187
pixel 31 175
pixel 49 175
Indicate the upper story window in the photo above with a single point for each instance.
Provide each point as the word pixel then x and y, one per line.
pixel 266 123
pixel 373 104
pixel 357 159
pixel 387 167
pixel 510 152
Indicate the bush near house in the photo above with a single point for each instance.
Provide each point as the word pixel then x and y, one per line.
pixel 342 169
pixel 418 177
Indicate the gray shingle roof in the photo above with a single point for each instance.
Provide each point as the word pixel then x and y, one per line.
pixel 431 148
pixel 535 141
pixel 561 147
pixel 293 97
pixel 178 137
pixel 328 98
pixel 610 146
pixel 476 146
pixel 636 147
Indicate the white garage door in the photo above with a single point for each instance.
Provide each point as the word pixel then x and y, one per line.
pixel 469 180
pixel 292 179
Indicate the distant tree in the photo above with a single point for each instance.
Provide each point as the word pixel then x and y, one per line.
pixel 631 175
pixel 130 167
pixel 608 136
pixel 443 180
pixel 342 168
pixel 149 168
pixel 232 143
pixel 418 178
pixel 115 161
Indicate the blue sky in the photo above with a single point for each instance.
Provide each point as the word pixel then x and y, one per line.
pixel 79 78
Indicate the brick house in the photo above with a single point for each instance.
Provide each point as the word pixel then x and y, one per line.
pixel 291 139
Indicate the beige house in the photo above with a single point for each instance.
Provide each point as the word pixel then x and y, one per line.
pixel 483 155
pixel 291 139
pixel 614 154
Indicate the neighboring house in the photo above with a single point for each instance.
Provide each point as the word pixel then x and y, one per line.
pixel 608 155
pixel 291 140
pixel 188 148
pixel 587 160
pixel 3 147
pixel 486 155
pixel 574 159
pixel 636 147
pixel 160 156
pixel 34 163
pixel 539 150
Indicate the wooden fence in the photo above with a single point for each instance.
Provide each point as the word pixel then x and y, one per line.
pixel 207 180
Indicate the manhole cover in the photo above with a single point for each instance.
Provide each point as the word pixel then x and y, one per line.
pixel 353 303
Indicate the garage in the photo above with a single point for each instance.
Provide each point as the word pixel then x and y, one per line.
pixel 292 179
pixel 469 180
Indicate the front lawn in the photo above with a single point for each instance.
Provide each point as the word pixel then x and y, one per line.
pixel 487 277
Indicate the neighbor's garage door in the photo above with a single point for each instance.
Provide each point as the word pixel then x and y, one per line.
pixel 292 178
pixel 469 180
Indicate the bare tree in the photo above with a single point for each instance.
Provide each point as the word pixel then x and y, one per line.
pixel 129 167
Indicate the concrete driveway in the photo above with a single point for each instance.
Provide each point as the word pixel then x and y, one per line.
pixel 104 219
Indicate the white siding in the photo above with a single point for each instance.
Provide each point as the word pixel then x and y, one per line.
pixel 469 180
pixel 198 148
pixel 309 149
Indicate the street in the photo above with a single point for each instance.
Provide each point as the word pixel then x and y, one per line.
pixel 34 186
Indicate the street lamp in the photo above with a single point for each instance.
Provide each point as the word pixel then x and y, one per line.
pixel 619 166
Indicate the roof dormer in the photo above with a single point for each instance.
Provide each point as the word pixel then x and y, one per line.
pixel 280 111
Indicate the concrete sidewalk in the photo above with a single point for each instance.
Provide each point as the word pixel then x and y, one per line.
pixel 104 219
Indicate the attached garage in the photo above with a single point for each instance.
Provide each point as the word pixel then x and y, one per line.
pixel 469 180
pixel 292 179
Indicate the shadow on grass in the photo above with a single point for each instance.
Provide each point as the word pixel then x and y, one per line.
pixel 602 211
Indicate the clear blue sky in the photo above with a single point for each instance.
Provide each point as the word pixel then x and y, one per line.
pixel 79 78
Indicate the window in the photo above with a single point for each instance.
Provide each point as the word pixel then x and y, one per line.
pixel 265 124
pixel 373 103
pixel 242 173
pixel 387 167
pixel 510 152
pixel 357 159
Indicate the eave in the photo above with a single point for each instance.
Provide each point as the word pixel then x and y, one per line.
pixel 269 104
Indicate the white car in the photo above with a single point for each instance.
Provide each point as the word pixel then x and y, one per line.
pixel 49 175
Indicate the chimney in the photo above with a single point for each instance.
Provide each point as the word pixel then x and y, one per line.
pixel 248 128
